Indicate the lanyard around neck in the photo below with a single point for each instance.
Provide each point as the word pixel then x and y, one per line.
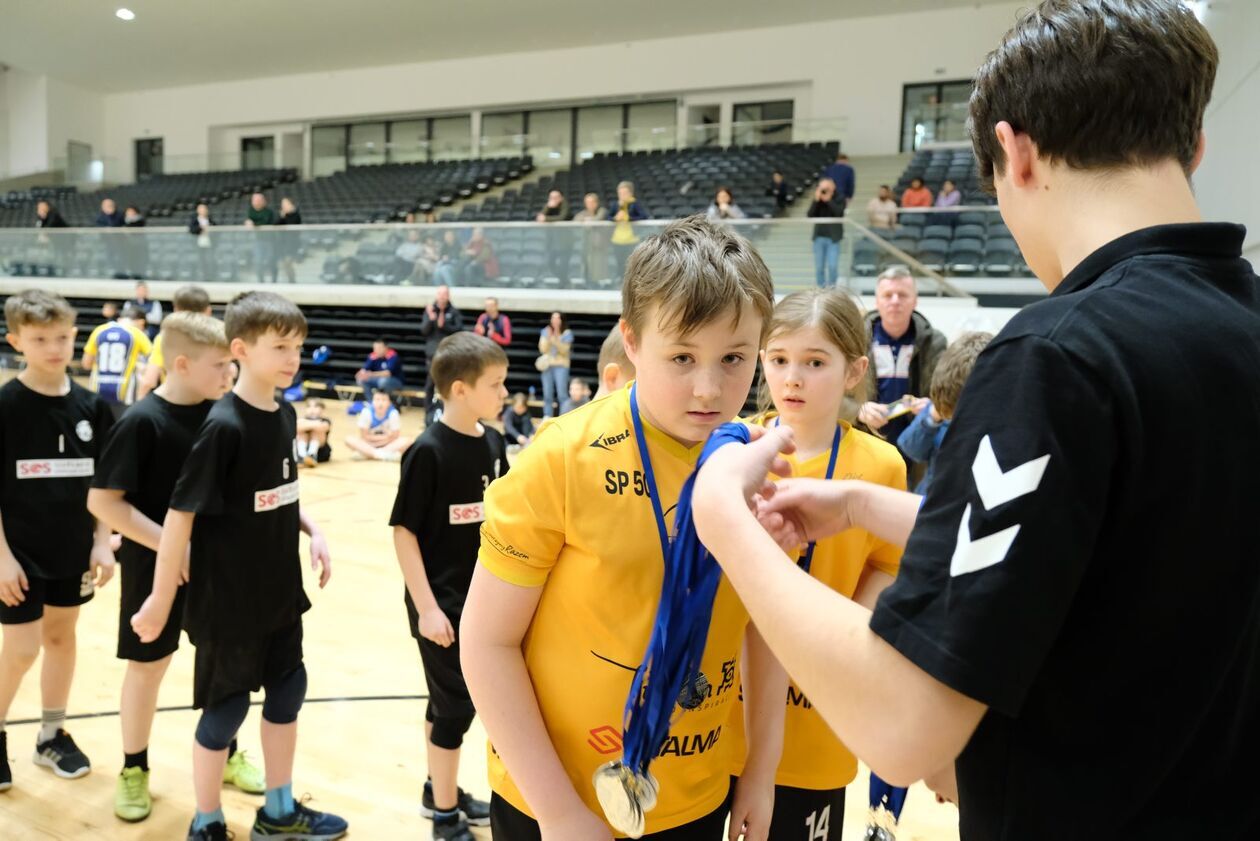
pixel 649 476
pixel 808 558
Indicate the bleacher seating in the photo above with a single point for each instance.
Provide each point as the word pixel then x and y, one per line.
pixel 668 183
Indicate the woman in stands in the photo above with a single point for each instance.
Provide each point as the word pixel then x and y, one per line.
pixel 289 241
pixel 624 211
pixel 559 239
pixel 482 262
pixel 555 347
pixel 724 206
pixel 595 249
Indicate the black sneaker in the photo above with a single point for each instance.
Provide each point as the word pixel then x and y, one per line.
pixel 63 756
pixel 6 776
pixel 475 812
pixel 214 832
pixel 453 829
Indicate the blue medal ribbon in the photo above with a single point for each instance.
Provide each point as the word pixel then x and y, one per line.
pixel 808 558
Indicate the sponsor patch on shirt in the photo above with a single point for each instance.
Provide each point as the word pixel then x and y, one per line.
pixel 469 512
pixel 276 497
pixel 54 468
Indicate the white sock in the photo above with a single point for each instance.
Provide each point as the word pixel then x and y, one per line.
pixel 50 723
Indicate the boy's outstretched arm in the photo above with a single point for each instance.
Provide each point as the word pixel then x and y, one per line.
pixel 172 550
pixel 824 639
pixel 321 560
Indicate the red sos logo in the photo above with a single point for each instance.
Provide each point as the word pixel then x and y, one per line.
pixel 35 468
pixel 473 512
pixel 605 740
pixel 266 500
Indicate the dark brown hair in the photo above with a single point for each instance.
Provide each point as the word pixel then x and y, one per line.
pixel 1097 84
pixel 251 314
pixel 191 299
pixel 37 307
pixel 953 369
pixel 463 357
pixel 694 271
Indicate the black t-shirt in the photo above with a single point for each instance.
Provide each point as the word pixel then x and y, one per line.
pixel 1087 560
pixel 444 477
pixel 49 447
pixel 144 456
pixel 240 479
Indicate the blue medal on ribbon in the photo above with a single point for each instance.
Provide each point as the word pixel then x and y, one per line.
pixel 625 788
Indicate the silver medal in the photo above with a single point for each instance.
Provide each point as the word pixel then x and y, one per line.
pixel 625 797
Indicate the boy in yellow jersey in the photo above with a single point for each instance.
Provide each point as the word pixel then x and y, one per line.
pixel 190 298
pixel 815 358
pixel 113 353
pixel 563 600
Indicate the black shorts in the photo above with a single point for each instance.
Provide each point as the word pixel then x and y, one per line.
pixel 135 573
pixel 448 694
pixel 229 667
pixel 54 592
pixel 507 823
pixel 802 814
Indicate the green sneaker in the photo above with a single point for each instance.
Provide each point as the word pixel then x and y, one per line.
pixel 131 796
pixel 243 774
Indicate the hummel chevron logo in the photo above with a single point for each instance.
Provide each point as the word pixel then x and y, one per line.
pixel 996 488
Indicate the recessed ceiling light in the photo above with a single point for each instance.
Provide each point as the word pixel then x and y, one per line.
pixel 125 14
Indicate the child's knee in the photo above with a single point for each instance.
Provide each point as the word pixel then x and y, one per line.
pixel 284 697
pixel 448 730
pixel 21 647
pixel 219 722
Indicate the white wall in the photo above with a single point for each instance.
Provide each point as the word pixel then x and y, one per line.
pixel 74 114
pixel 1226 180
pixel 26 96
pixel 852 68
pixel 4 124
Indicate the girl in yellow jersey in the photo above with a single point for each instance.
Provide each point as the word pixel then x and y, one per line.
pixel 813 356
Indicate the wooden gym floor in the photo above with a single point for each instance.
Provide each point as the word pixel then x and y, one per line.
pixel 361 749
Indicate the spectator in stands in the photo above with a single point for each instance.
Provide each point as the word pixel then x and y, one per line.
pixel 348 270
pixel 518 427
pixel 723 206
pixel 262 216
pixel 625 211
pixel 559 239
pixel 480 261
pixel 152 309
pixel 841 172
pixel 917 195
pixel 380 431
pixel 881 211
pixel 579 395
pixel 555 346
pixel 904 352
pixel 441 319
pixel 136 246
pixel 382 371
pixel 826 237
pixel 450 259
pixel 111 217
pixel 412 261
pixel 290 242
pixel 779 189
pixel 595 247
pixel 46 216
pixel 199 226
pixel 109 310
pixel 494 325
pixel 947 197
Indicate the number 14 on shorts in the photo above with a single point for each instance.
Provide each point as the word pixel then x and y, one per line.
pixel 818 825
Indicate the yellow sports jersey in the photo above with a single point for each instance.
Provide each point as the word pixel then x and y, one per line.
pixel 156 357
pixel 573 517
pixel 119 349
pixel 813 758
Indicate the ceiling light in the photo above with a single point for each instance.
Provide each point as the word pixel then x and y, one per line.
pixel 125 14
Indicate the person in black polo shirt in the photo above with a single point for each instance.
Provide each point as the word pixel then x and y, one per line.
pixel 1076 627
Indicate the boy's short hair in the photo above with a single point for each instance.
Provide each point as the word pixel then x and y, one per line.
pixel 36 307
pixel 1097 84
pixel 315 401
pixel 251 314
pixel 953 369
pixel 614 350
pixel 463 357
pixel 133 313
pixel 694 271
pixel 191 298
pixel 186 333
pixel 520 397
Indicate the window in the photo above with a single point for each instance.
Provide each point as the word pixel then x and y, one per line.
pixel 451 138
pixel 652 125
pixel 502 135
pixel 598 130
pixel 550 134
pixel 934 112
pixel 408 141
pixel 258 152
pixel 367 144
pixel 755 123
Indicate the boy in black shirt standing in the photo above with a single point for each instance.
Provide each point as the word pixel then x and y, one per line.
pixel 52 554
pixel 236 503
pixel 131 493
pixel 437 520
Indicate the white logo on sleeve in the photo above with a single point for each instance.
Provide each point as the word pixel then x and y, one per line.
pixel 996 488
pixel 276 497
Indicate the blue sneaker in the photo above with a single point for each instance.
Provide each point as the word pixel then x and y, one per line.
pixel 304 824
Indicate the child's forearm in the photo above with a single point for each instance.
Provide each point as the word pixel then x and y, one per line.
pixel 172 549
pixel 765 693
pixel 309 527
pixel 411 562
pixel 112 509
pixel 101 534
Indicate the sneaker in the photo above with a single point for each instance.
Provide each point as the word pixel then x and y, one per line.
pixel 214 832
pixel 63 756
pixel 878 833
pixel 6 775
pixel 305 824
pixel 455 829
pixel 132 801
pixel 476 812
pixel 243 774
pixel 308 461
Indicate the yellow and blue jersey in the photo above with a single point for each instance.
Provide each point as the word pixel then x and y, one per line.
pixel 118 349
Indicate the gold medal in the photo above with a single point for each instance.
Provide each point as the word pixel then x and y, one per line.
pixel 625 797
